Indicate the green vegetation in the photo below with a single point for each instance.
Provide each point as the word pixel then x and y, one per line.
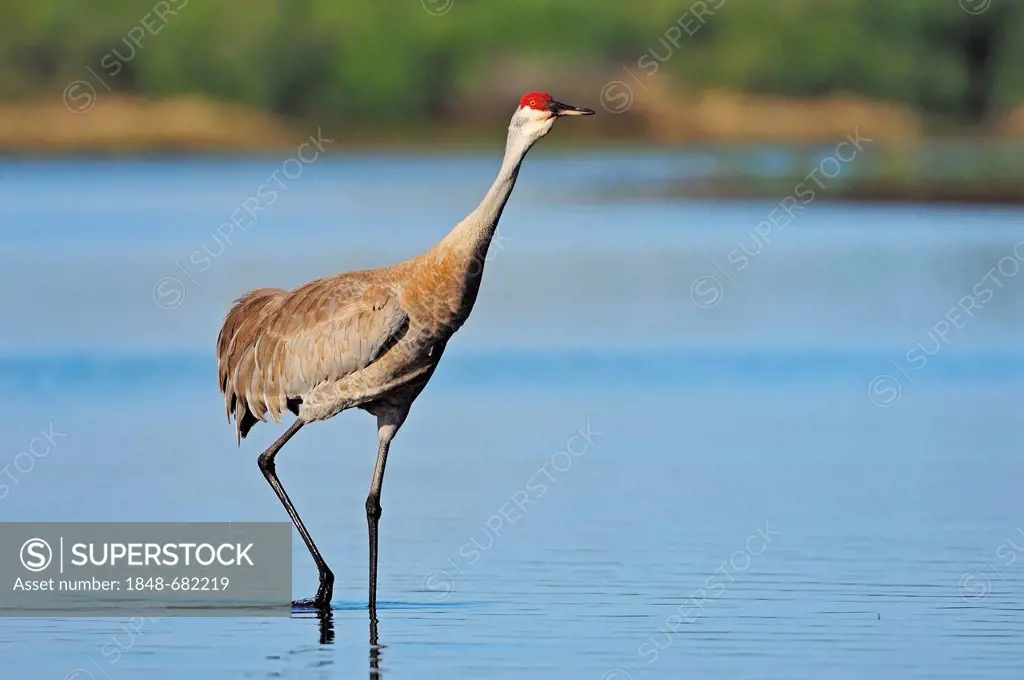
pixel 363 62
pixel 938 83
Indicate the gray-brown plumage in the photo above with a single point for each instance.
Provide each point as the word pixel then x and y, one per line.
pixel 279 349
pixel 367 339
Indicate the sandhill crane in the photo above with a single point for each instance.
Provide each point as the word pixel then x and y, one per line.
pixel 366 339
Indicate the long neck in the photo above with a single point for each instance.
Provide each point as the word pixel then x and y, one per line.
pixel 472 236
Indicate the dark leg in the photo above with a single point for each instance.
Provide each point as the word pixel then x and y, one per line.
pixel 386 429
pixel 373 511
pixel 266 461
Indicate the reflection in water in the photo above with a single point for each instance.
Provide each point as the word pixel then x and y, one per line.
pixel 374 646
pixel 325 625
pixel 326 620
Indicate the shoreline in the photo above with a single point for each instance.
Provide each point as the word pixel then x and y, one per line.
pixel 866 191
pixel 975 167
pixel 120 125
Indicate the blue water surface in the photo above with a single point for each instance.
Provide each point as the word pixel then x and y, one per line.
pixel 807 466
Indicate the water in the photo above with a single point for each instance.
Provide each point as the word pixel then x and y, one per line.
pixel 794 469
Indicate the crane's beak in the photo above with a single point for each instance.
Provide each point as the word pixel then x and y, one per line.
pixel 560 109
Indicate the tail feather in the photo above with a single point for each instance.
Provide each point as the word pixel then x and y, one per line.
pixel 245 424
pixel 236 346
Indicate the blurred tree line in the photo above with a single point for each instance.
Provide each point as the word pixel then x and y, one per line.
pixel 411 61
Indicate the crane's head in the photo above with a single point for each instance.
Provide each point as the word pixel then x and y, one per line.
pixel 538 111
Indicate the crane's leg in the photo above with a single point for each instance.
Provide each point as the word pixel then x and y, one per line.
pixel 386 429
pixel 266 461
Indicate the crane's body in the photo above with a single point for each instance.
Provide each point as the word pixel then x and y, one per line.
pixel 367 339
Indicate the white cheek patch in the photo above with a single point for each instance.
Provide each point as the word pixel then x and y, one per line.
pixel 533 115
pixel 531 118
pixel 532 123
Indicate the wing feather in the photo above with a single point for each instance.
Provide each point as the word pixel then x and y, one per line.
pixel 275 346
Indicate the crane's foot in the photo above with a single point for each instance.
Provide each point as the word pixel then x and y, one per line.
pixel 323 595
